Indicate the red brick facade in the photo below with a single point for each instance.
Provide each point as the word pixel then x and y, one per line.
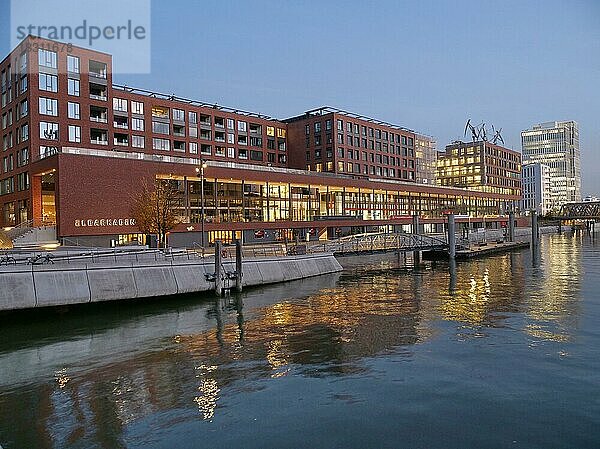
pixel 111 139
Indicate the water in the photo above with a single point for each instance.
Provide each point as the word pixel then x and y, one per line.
pixel 500 352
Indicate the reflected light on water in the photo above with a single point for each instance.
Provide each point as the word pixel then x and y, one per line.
pixel 209 391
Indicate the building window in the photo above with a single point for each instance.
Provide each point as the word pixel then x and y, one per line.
pixel 73 87
pixel 160 112
pixel 120 104
pixel 23 181
pixel 138 141
pixel 281 133
pixel 193 147
pixel 242 126
pixel 178 115
pixel 192 117
pixel 161 144
pixel 256 155
pixel 137 107
pixel 317 127
pixel 137 124
pixel 23 109
pixel 160 128
pixel 23 157
pixel 49 83
pixel 74 133
pixel 23 85
pixel 230 123
pixel 327 125
pixel 48 106
pixel 72 64
pixel 47 59
pixel 271 131
pixel 73 111
pixel 24 133
pixel 48 131
pixel 231 152
pixel 205 149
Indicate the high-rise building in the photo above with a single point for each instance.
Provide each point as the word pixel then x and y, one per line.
pixel 482 166
pixel 537 189
pixel 426 155
pixel 556 144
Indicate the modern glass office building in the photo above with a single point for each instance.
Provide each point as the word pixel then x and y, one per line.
pixel 556 144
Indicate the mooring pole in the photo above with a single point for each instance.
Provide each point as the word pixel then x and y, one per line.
pixel 415 224
pixel 511 226
pixel 238 265
pixel 535 233
pixel 451 236
pixel 218 272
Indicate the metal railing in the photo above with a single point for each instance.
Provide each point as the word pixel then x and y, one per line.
pixel 380 242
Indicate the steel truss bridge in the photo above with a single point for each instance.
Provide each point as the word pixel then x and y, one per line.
pixel 382 242
pixel 589 210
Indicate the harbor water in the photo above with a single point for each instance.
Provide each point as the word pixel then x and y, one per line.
pixel 498 352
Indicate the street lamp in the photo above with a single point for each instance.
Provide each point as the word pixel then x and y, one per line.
pixel 201 171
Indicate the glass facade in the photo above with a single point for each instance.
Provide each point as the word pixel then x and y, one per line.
pixel 238 201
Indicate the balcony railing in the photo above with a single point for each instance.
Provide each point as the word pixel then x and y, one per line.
pixel 99 141
pixel 98 119
pixel 98 97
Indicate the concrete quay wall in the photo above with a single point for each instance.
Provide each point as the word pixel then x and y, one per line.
pixel 24 287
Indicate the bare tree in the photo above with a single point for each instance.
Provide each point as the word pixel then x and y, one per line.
pixel 154 209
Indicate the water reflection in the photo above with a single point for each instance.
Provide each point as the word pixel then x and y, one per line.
pixel 86 385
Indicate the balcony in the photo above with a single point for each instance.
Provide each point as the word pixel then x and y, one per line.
pixel 99 136
pixel 98 92
pixel 121 139
pixel 179 130
pixel 98 114
pixel 121 122
pixel 97 69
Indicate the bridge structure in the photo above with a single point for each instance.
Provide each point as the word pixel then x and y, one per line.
pixel 382 242
pixel 587 210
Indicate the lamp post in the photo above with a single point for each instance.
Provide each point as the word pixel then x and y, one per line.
pixel 200 170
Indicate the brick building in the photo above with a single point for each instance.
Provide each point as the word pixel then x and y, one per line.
pixel 77 147
pixel 336 141
pixel 481 166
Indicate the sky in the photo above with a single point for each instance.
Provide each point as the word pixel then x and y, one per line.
pixel 426 65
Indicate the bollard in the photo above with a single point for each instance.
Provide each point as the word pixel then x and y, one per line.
pixel 218 272
pixel 415 224
pixel 238 265
pixel 511 226
pixel 451 236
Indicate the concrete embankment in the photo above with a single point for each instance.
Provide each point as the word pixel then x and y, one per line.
pixel 23 287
